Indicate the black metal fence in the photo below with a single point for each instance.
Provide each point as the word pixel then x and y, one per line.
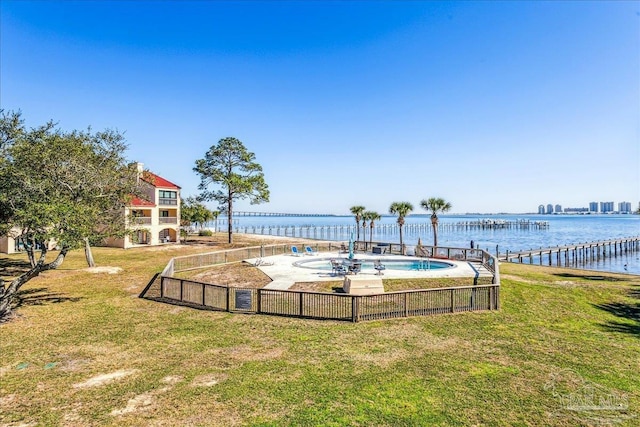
pixel 318 305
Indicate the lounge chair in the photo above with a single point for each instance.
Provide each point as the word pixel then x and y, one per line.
pixel 294 251
pixel 379 267
pixel 337 268
pixel 309 251
pixel 355 267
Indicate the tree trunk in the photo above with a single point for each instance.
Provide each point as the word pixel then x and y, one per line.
pixel 434 225
pixel 364 233
pixel 230 218
pixel 371 237
pixel 29 247
pixel 7 295
pixel 87 253
pixel 401 245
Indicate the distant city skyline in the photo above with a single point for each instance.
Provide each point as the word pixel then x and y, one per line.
pixel 624 207
pixel 489 105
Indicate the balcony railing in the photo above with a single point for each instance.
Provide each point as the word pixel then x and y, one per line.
pixel 171 202
pixel 168 220
pixel 141 220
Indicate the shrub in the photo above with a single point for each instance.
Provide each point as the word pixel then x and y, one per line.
pixel 207 233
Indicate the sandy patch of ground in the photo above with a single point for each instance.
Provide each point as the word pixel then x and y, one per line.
pixel 70 364
pixel 146 400
pixel 105 378
pixel 240 275
pixel 105 269
pixel 207 380
pixel 172 379
pixel 135 404
pixel 6 400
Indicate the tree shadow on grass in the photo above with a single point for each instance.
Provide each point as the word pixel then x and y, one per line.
pixel 589 276
pixel 40 296
pixel 13 267
pixel 628 311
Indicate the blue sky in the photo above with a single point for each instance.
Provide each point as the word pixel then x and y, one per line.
pixel 494 106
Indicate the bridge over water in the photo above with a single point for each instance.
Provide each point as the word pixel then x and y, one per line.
pixel 243 213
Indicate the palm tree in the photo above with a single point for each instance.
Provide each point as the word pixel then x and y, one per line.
pixel 402 209
pixel 357 211
pixel 364 217
pixel 372 217
pixel 435 205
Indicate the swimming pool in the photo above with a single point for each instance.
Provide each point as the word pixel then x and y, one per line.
pixel 390 264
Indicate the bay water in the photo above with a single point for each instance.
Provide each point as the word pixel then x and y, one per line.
pixel 535 231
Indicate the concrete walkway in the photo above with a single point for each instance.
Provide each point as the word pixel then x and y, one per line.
pixel 283 272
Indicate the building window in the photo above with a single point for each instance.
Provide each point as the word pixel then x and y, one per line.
pixel 168 197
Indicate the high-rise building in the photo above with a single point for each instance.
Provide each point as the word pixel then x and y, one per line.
pixel 558 209
pixel 593 207
pixel 549 208
pixel 541 209
pixel 624 207
pixel 606 207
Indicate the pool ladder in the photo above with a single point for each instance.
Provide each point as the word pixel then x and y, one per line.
pixel 424 264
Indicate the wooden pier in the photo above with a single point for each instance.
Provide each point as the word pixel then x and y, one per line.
pixel 342 232
pixel 572 255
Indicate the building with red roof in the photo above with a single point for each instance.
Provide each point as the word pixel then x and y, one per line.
pixel 154 217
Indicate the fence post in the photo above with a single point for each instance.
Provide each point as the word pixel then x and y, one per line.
pixel 259 302
pixel 355 309
pixel 203 294
pixel 181 288
pixel 406 305
pixel 161 286
pixel 452 302
pixel 300 301
pixel 228 297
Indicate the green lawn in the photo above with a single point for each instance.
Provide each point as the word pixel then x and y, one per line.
pixel 558 332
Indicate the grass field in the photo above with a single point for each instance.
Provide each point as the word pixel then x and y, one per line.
pixel 84 350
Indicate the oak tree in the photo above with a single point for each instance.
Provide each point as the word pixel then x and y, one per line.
pixel 66 189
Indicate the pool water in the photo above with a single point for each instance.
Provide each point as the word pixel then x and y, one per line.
pixel 405 265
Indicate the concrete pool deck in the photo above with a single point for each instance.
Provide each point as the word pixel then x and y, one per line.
pixel 284 274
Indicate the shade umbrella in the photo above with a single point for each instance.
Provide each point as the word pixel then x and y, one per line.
pixel 351 246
